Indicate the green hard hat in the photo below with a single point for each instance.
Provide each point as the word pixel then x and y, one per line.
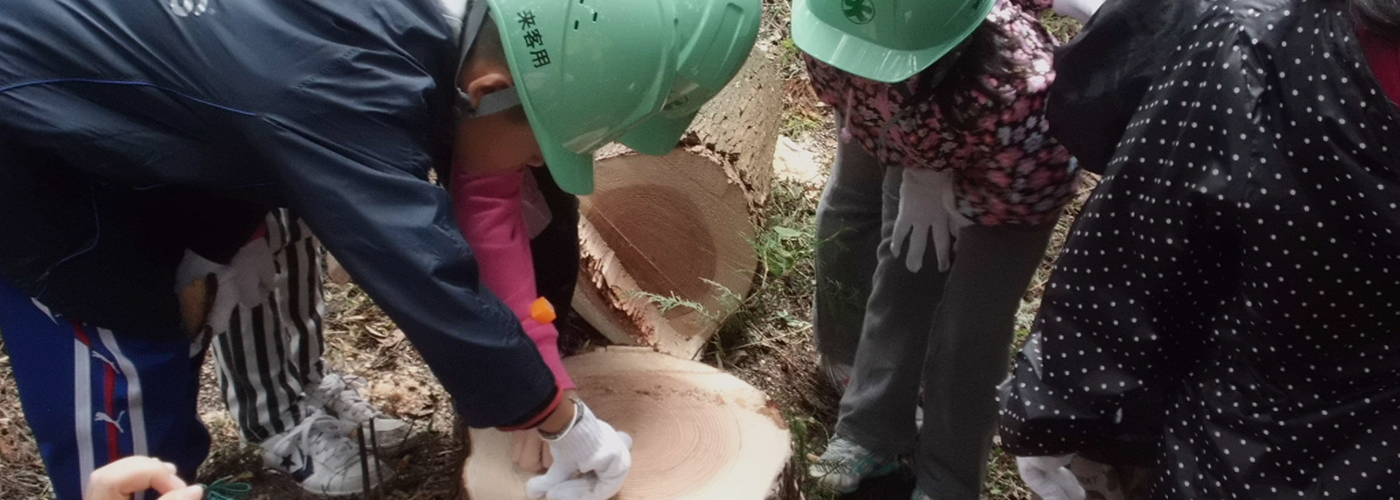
pixel 589 72
pixel 720 35
pixel 884 40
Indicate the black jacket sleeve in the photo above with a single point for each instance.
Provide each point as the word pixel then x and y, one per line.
pixel 353 167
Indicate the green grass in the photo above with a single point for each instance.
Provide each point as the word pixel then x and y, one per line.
pixel 786 279
pixel 1063 28
pixel 668 303
pixel 801 124
pixel 772 324
pixel 809 438
pixel 791 55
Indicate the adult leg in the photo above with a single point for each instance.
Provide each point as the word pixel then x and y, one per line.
pixel 93 396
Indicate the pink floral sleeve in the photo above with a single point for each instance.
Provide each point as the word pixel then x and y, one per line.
pixel 1007 167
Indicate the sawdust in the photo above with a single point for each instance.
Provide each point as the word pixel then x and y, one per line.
pixel 661 386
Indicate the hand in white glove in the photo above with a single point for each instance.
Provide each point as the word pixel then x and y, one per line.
pixel 594 451
pixel 245 281
pixel 926 210
pixel 1050 477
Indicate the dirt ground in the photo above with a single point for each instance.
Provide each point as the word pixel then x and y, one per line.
pixel 768 343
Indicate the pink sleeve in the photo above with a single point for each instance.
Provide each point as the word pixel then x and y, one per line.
pixel 488 211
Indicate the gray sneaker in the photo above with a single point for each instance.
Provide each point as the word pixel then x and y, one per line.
pixel 845 464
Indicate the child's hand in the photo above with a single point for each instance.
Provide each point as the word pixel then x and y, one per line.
pixel 530 452
pixel 126 477
pixel 591 461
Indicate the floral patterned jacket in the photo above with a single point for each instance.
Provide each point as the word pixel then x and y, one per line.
pixel 1008 169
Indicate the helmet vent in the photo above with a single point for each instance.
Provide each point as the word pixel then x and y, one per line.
pixel 576 21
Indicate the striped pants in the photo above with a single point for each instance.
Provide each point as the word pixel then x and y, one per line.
pixel 269 354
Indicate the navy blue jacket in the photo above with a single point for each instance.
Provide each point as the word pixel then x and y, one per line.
pixel 131 130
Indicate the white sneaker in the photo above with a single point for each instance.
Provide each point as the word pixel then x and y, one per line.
pixel 845 464
pixel 340 399
pixel 320 455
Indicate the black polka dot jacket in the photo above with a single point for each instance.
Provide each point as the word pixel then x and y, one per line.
pixel 1225 309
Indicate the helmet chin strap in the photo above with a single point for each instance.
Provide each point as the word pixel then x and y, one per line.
pixel 494 102
pixel 490 104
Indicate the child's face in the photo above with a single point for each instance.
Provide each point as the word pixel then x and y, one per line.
pixel 495 143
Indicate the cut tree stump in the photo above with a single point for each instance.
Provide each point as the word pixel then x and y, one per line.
pixel 667 241
pixel 699 433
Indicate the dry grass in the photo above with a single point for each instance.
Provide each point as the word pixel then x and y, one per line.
pixel 23 476
pixel 361 341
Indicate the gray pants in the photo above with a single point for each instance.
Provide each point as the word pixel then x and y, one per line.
pixel 949 333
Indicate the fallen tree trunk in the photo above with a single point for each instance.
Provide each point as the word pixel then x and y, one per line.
pixel 699 433
pixel 667 242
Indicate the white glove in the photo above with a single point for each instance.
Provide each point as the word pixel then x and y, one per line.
pixel 1050 477
pixel 1080 10
pixel 245 281
pixel 589 446
pixel 926 209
